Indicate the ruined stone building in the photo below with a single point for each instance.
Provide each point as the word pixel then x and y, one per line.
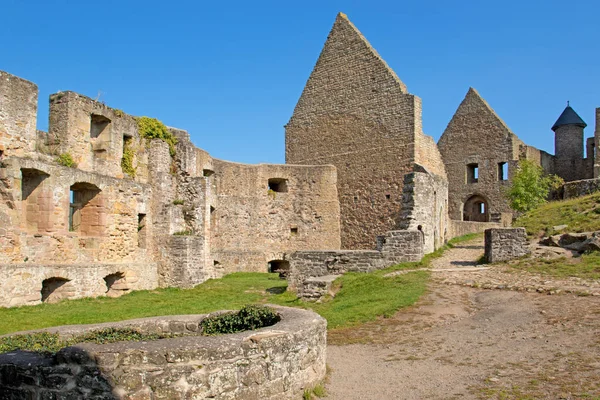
pixel 356 114
pixel 481 155
pixel 176 217
pixel 105 203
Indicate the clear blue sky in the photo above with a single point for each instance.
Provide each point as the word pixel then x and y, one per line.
pixel 231 72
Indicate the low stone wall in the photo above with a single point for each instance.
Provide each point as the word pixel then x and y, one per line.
pixel 393 248
pixel 24 284
pixel 277 362
pixel 504 244
pixel 580 188
pixel 461 228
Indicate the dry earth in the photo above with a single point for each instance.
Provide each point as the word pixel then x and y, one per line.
pixel 462 342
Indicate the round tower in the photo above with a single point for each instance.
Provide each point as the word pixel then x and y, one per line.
pixel 568 144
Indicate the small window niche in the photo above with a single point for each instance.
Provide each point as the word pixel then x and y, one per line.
pixel 116 284
pixel 99 132
pixel 472 173
pixel 55 289
pixel 1 155
pixel 207 172
pixel 294 231
pixel 278 185
pixel 502 171
pixel 128 156
pixel 388 196
pixel 142 231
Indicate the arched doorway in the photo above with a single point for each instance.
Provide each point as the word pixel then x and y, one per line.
pixel 476 209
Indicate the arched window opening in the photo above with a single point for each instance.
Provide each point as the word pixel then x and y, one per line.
pixel 476 209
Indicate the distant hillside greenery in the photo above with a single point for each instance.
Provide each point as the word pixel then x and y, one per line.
pixel 581 215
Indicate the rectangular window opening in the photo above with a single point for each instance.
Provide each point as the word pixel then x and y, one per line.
pixel 100 132
pixel 472 173
pixel 208 172
pixel 387 196
pixel 294 230
pixel 213 220
pixel 87 214
pixel 142 231
pixel 502 171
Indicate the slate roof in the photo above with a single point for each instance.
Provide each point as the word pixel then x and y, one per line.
pixel 568 117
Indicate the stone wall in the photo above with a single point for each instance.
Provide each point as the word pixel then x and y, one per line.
pixel 254 221
pixel 18 116
pixel 504 244
pixel 580 188
pixel 33 283
pixel 393 248
pixel 356 114
pixel 461 228
pixel 276 362
pixel 94 135
pixel 425 208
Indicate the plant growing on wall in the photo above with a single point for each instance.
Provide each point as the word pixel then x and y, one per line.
pixel 151 128
pixel 127 160
pixel 66 160
pixel 531 186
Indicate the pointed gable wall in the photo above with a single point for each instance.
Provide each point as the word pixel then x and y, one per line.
pixel 477 135
pixel 356 114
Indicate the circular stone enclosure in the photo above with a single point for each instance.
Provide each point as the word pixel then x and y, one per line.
pixel 275 362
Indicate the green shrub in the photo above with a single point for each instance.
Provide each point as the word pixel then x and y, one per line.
pixel 531 186
pixel 151 128
pixel 45 342
pixel 127 160
pixel 66 160
pixel 250 317
pixel 177 202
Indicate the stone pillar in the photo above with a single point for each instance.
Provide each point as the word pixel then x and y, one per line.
pixel 504 244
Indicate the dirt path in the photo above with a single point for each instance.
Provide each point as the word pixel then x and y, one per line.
pixel 469 343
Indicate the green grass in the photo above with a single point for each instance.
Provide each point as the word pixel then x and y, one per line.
pixel 362 297
pixel 231 292
pixel 581 215
pixel 587 266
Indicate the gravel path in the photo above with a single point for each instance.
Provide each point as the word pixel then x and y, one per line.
pixel 462 342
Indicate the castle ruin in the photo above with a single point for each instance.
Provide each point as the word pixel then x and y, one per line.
pixel 96 206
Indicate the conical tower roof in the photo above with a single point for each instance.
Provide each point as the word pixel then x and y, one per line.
pixel 568 117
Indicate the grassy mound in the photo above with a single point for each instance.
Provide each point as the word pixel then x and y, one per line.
pixel 581 214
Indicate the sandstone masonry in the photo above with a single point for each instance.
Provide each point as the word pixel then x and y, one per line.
pixel 95 228
pixel 504 244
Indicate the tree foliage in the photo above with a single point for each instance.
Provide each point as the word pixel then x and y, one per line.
pixel 531 186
